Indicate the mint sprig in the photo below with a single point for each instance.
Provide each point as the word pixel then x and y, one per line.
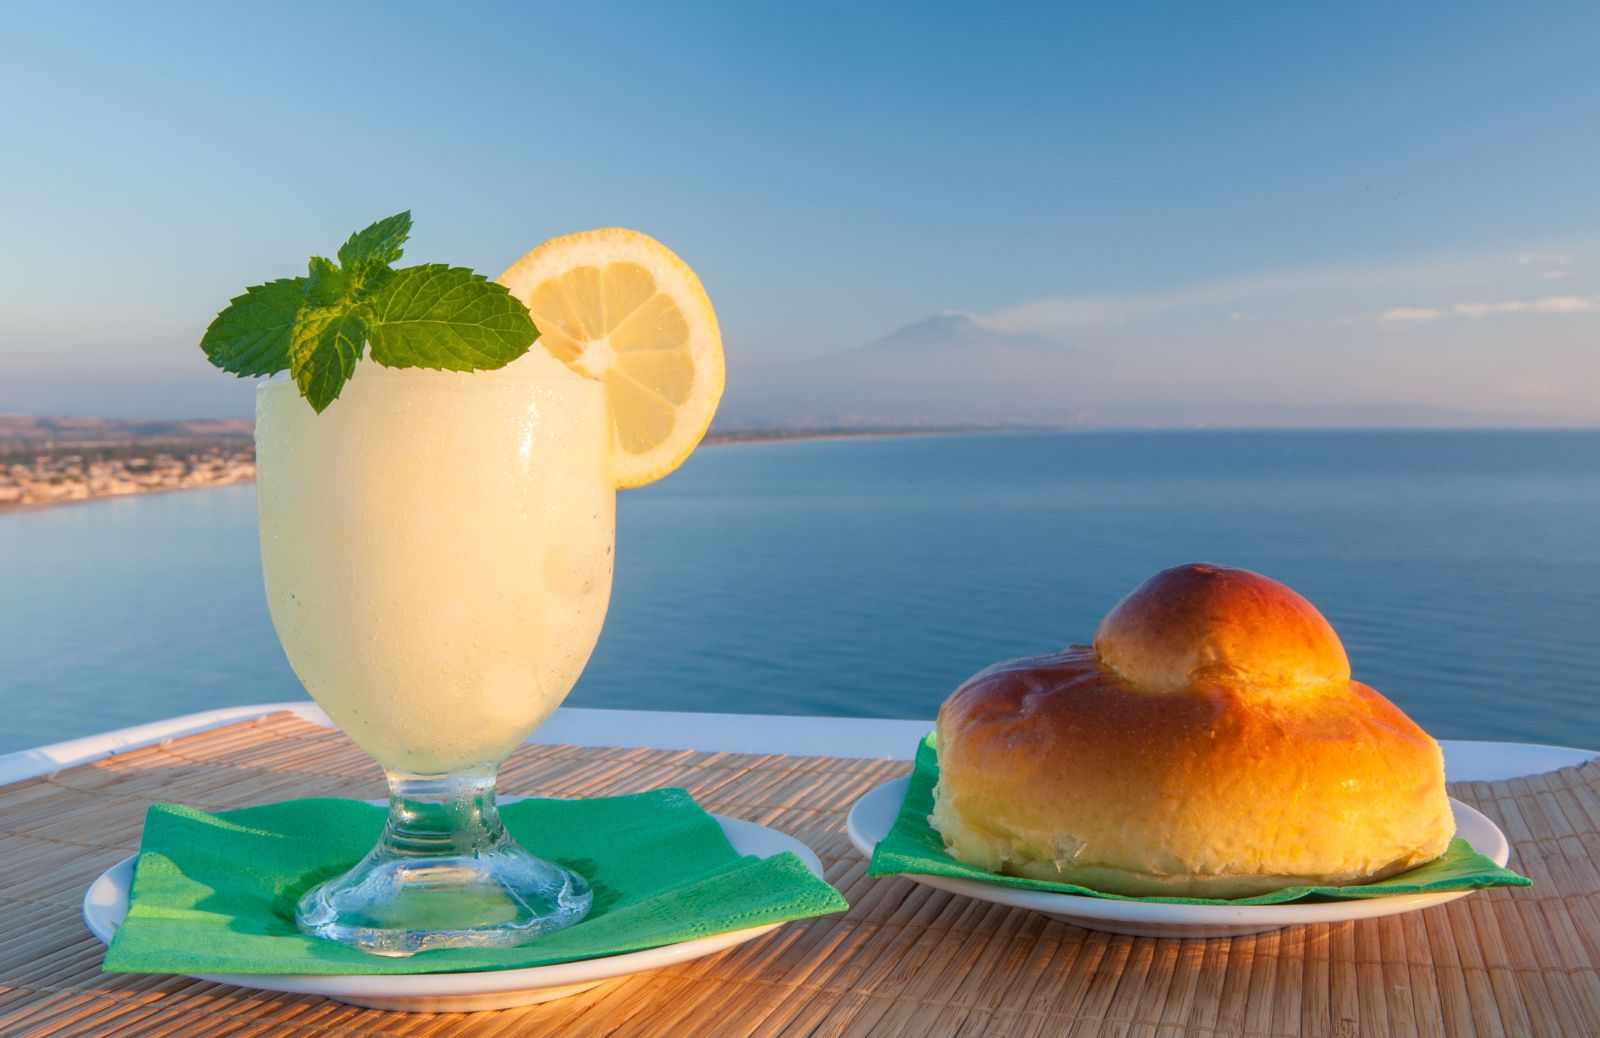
pixel 379 243
pixel 317 326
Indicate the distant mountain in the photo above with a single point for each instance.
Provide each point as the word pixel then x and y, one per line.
pixel 956 369
pixel 954 334
pixel 949 368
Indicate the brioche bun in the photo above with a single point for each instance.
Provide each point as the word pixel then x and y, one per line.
pixel 1209 744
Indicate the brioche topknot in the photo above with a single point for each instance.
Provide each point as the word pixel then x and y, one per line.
pixel 1205 624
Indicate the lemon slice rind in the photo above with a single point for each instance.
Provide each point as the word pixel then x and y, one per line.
pixel 618 306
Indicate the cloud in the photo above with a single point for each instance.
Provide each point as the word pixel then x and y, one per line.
pixel 1555 264
pixel 1563 305
pixel 1405 316
pixel 1317 294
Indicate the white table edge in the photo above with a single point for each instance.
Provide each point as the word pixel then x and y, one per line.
pixel 878 738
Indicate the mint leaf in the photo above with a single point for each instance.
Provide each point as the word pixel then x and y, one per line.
pixel 379 243
pixel 366 280
pixel 251 336
pixel 327 284
pixel 326 345
pixel 436 316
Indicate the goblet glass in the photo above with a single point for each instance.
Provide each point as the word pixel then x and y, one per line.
pixel 437 548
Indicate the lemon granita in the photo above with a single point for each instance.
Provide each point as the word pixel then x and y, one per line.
pixel 437 549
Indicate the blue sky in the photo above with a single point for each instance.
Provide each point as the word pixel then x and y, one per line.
pixel 1177 181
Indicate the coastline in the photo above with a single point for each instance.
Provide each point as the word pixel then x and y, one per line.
pixel 211 477
pixel 9 508
pixel 83 493
pixel 35 474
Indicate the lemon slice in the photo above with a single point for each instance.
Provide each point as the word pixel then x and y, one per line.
pixel 618 306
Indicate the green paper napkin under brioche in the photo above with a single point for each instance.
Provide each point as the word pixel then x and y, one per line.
pixel 912 846
pixel 215 893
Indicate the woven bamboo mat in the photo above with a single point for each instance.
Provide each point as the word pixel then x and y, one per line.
pixel 905 960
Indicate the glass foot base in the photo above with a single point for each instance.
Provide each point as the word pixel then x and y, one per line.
pixel 498 898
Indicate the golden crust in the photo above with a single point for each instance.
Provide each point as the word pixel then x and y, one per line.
pixel 1207 624
pixel 1236 783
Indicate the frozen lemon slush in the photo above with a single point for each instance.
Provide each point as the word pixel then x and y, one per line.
pixel 438 552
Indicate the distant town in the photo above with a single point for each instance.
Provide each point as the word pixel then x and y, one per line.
pixel 56 479
pixel 49 461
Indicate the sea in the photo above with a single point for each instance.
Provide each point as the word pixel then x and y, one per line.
pixel 868 577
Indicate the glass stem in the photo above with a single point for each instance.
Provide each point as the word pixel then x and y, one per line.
pixel 442 814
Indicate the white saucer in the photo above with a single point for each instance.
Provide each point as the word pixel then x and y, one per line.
pixel 105 905
pixel 874 815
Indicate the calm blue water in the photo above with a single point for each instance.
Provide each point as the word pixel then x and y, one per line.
pixel 869 577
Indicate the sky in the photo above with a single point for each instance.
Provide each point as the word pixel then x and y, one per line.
pixel 1227 197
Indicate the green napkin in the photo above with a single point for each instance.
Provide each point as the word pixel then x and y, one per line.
pixel 215 893
pixel 913 846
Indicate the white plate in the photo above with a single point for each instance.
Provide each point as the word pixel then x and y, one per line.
pixel 105 905
pixel 874 814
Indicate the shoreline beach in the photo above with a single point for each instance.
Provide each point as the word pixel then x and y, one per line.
pixel 47 474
